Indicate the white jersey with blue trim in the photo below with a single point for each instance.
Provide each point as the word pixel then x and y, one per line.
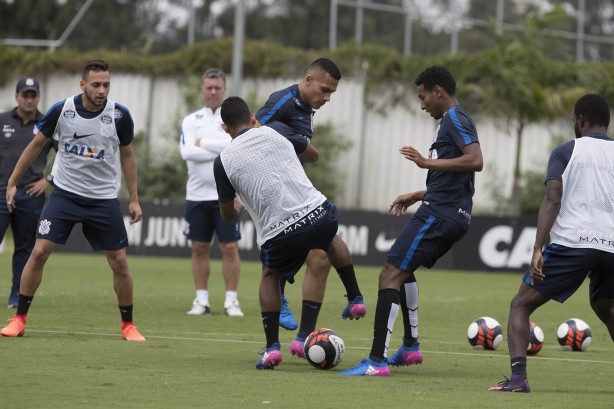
pixel 586 217
pixel 270 181
pixel 87 162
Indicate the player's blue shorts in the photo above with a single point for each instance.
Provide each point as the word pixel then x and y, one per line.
pixel 566 268
pixel 102 220
pixel 424 239
pixel 286 252
pixel 203 218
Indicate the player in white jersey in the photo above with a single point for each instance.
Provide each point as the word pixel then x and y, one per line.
pixel 577 212
pixel 202 140
pixel 292 217
pixel 95 136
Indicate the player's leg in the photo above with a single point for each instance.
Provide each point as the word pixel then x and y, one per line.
pixel 565 269
pixel 199 227
pixel 5 221
pixel 409 353
pixel 228 234
pixel 123 286
pixel 388 299
pixel 31 278
pixel 270 304
pixel 24 220
pixel 602 290
pixel 340 258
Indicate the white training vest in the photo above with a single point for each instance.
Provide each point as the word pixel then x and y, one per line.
pixel 264 170
pixel 87 162
pixel 586 218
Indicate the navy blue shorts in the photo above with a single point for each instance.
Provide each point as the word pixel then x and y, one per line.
pixel 424 239
pixel 203 218
pixel 286 253
pixel 566 268
pixel 102 220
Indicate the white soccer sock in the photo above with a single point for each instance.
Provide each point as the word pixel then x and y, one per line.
pixel 231 296
pixel 202 296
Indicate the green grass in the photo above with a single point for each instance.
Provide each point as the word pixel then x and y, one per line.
pixel 72 357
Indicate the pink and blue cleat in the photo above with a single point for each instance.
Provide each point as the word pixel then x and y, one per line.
pixel 271 357
pixel 355 309
pixel 406 356
pixel 367 367
pixel 296 347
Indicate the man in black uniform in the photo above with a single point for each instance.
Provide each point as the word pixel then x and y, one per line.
pixel 18 129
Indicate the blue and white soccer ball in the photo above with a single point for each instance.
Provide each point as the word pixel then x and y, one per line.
pixel 485 333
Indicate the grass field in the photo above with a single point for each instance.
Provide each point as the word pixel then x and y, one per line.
pixel 72 356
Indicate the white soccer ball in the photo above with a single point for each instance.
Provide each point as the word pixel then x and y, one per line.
pixel 574 335
pixel 485 333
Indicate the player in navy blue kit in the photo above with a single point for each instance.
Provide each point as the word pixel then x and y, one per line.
pixel 295 107
pixel 18 127
pixel 441 220
pixel 92 131
pixel 577 215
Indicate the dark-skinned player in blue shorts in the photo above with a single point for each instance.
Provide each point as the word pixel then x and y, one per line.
pixel 441 220
pixel 577 215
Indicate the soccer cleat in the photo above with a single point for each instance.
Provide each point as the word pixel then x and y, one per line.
pixel 406 356
pixel 233 309
pixel 16 328
pixel 296 347
pixel 286 318
pixel 131 333
pixel 271 357
pixel 199 309
pixel 367 367
pixel 13 300
pixel 508 386
pixel 355 309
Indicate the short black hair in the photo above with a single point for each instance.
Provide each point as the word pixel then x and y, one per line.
pixel 437 75
pixel 94 65
pixel 326 65
pixel 235 112
pixel 594 108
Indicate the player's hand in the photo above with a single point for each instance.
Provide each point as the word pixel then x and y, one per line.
pixel 399 206
pixel 537 262
pixel 413 155
pixel 238 205
pixel 10 197
pixel 37 188
pixel 136 214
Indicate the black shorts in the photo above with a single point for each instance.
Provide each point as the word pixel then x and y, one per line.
pixel 204 218
pixel 102 220
pixel 286 253
pixel 566 268
pixel 424 239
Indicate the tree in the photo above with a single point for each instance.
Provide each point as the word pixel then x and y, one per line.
pixel 516 84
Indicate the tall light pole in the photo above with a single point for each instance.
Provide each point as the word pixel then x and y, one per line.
pixel 237 48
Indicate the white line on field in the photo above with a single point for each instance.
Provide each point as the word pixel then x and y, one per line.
pixel 236 341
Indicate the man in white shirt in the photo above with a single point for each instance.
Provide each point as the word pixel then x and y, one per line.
pixel 202 140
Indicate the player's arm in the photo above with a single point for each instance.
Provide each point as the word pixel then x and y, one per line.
pixel 401 203
pixel 471 159
pixel 125 132
pixel 191 146
pixel 128 162
pixel 225 191
pixel 306 152
pixel 31 152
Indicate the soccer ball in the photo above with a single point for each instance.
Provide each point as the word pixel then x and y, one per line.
pixel 485 333
pixel 536 339
pixel 324 348
pixel 574 335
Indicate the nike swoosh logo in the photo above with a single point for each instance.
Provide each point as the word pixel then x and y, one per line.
pixel 81 136
pixel 382 243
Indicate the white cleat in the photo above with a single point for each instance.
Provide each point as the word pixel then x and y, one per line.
pixel 199 309
pixel 233 309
